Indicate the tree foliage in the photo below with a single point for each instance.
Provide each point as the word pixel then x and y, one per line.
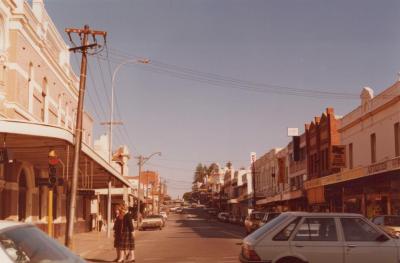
pixel 187 196
pixel 200 173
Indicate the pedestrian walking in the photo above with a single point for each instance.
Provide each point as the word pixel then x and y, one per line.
pixel 99 222
pixel 128 239
pixel 119 216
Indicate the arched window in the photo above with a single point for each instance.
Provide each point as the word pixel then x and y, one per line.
pixel 44 93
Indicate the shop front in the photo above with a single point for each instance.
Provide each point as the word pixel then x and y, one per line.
pixel 371 191
pixel 24 197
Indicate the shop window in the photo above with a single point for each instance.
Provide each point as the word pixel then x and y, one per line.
pixel 373 148
pixel 351 155
pixel 317 229
pixel 397 139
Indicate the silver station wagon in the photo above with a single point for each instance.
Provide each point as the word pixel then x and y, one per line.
pixel 301 237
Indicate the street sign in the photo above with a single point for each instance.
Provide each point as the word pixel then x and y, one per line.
pixel 292 132
pixel 338 156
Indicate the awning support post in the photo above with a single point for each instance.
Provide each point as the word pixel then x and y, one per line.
pixel 109 209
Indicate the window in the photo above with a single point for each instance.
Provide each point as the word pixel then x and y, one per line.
pixel 327 159
pixel 356 229
pixel 285 233
pixel 317 229
pixel 18 246
pixel 351 155
pixel 269 226
pixel 397 139
pixel 322 158
pixel 373 148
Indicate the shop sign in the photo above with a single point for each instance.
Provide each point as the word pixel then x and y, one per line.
pixel 338 156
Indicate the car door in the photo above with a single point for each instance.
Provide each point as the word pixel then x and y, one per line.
pixel 316 240
pixel 362 245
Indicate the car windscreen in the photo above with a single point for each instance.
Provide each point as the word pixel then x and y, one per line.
pixel 392 220
pixel 29 244
pixel 268 226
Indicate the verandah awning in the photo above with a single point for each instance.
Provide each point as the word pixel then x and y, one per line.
pixel 31 142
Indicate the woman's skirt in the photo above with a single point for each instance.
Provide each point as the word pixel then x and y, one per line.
pixel 127 241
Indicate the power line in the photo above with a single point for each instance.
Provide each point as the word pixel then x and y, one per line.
pixel 118 111
pixel 186 72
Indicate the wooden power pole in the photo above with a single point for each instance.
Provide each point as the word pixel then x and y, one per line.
pixel 83 48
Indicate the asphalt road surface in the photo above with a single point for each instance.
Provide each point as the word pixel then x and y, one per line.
pixel 191 238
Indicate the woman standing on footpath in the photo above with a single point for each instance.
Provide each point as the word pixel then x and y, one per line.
pixel 119 217
pixel 128 240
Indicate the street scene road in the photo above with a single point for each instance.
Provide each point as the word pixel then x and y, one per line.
pixel 192 237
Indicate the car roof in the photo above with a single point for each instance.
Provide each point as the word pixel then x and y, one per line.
pixel 323 214
pixel 5 223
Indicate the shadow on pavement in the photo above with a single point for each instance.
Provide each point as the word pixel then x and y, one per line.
pixel 97 260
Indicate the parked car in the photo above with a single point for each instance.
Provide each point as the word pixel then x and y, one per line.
pixel 223 216
pixel 26 243
pixel 179 210
pixel 152 221
pixel 298 237
pixel 252 222
pixel 392 223
pixel 173 209
pixel 268 217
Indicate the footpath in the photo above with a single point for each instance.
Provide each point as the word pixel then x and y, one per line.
pixel 94 246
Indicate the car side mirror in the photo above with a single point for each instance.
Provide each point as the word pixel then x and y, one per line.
pixel 382 238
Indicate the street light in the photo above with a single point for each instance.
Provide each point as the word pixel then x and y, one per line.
pixel 125 62
pixel 141 161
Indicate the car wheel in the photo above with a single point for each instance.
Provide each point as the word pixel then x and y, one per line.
pixel 160 227
pixel 290 260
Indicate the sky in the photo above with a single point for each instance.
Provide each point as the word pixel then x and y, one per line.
pixel 228 77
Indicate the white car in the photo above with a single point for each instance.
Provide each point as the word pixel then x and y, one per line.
pixel 152 221
pixel 301 237
pixel 25 243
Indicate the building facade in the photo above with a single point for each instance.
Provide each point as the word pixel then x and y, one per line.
pixel 38 100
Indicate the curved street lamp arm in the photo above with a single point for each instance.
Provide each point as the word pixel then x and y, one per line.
pixel 145 159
